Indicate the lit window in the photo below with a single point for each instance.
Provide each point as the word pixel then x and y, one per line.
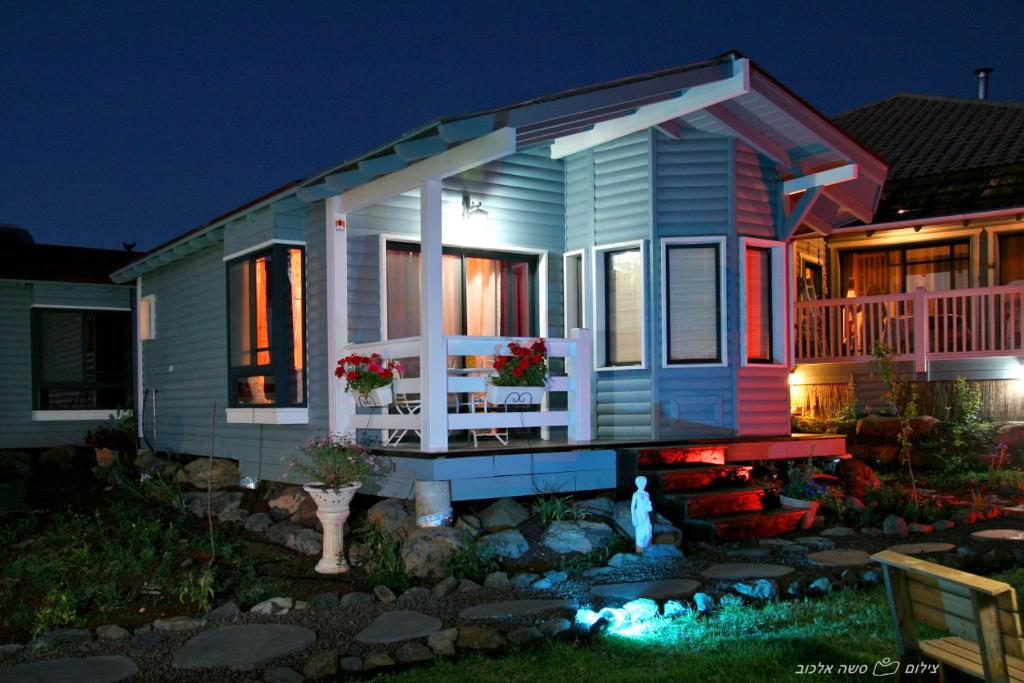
pixel 620 310
pixel 759 304
pixel 693 302
pixel 147 318
pixel 266 346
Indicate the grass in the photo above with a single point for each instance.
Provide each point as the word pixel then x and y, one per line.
pixel 742 643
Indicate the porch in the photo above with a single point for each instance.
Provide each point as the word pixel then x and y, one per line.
pixel 921 326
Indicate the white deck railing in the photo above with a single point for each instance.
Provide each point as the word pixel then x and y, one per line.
pixel 963 323
pixel 571 379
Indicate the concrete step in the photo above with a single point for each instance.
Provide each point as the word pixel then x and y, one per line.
pixel 711 502
pixel 690 477
pixel 740 526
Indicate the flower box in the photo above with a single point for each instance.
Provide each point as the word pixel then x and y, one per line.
pixel 514 396
pixel 376 398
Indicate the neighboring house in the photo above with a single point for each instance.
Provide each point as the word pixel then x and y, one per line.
pixel 66 356
pixel 640 225
pixel 938 276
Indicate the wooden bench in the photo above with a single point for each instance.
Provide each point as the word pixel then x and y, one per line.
pixel 981 614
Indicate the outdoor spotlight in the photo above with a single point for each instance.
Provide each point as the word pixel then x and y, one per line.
pixel 473 212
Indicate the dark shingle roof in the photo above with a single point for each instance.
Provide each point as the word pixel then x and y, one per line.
pixel 946 155
pixel 58 263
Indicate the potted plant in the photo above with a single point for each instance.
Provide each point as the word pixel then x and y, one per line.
pixel 369 378
pixel 520 377
pixel 334 466
pixel 112 438
pixel 802 492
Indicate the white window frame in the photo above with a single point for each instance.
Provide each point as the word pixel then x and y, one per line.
pixel 267 416
pixel 723 351
pixel 147 303
pixel 582 314
pixel 598 306
pixel 780 305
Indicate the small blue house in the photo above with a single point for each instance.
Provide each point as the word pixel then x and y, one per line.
pixel 641 226
pixel 66 357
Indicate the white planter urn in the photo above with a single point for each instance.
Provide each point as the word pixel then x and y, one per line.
pixel 376 398
pixel 810 508
pixel 514 396
pixel 332 510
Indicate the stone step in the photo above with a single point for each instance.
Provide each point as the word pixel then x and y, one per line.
pixel 690 477
pixel 711 502
pixel 681 454
pixel 740 526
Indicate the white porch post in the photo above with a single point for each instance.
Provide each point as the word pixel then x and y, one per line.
pixel 340 406
pixel 433 351
pixel 580 392
pixel 921 337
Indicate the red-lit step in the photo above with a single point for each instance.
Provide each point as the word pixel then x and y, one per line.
pixel 741 526
pixel 712 502
pixel 678 455
pixel 696 477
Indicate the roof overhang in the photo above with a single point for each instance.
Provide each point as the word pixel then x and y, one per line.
pixel 1013 213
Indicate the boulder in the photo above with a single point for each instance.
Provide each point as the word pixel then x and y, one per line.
pixel 408 653
pixel 882 454
pixel 414 596
pixel 356 598
pixel 943 524
pixel 227 612
pixel 235 516
pixel 198 502
pixel 599 506
pixel 555 626
pixel 703 602
pixel 204 472
pixel 576 536
pixel 111 632
pixel 377 660
pixel 480 638
pixel 446 587
pixel 297 538
pixel 426 549
pixel 1011 434
pixel 762 589
pixel 857 477
pixel 496 580
pixel 503 514
pixel 524 636
pixel 295 505
pixel 182 623
pixel 274 606
pixel 392 516
pixel 384 594
pixel 509 544
pixel 641 609
pixel 443 642
pixel 322 665
pixel 470 524
pixel 894 525
pixel 258 523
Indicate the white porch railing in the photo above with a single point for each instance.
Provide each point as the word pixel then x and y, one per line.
pixel 574 382
pixel 962 323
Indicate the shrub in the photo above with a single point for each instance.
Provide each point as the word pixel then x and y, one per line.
pixel 58 609
pixel 474 562
pixel 800 483
pixel 552 508
pixel 196 588
pixel 384 565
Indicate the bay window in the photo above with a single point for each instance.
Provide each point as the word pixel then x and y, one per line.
pixel 763 303
pixel 266 344
pixel 694 308
pixel 619 271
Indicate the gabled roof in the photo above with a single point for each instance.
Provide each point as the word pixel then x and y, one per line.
pixel 946 155
pixel 58 263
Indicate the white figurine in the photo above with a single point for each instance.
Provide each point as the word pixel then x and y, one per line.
pixel 640 514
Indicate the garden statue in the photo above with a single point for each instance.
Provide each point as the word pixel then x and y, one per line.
pixel 640 514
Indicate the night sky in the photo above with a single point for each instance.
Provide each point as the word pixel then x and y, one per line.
pixel 140 120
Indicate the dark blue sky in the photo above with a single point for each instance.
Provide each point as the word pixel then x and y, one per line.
pixel 139 120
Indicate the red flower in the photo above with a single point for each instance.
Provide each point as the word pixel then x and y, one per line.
pixel 520 351
pixel 524 364
pixel 518 372
pixel 499 362
pixel 352 375
pixel 384 374
pixel 339 372
pixel 536 358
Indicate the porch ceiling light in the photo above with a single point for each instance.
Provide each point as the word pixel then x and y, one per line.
pixel 473 213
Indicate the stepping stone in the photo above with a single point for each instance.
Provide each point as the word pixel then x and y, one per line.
pixel 840 558
pixel 399 625
pixel 72 670
pixel 511 609
pixel 667 589
pixel 746 570
pixel 816 542
pixel 774 542
pixel 242 647
pixel 838 531
pixel 759 553
pixel 921 548
pixel 999 535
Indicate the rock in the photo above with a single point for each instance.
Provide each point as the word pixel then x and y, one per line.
pixel 663 589
pixel 11 648
pixel 795 589
pixel 229 611
pixel 258 523
pixel 599 506
pixel 795 549
pixel 509 544
pixel 839 532
pixel 413 596
pixel 295 505
pixel 503 514
pixel 523 581
pixel 397 626
pixel 300 605
pixel 446 586
pixel 556 577
pixel 816 542
pixel 358 553
pixel 774 542
pixel 671 608
pixel 384 594
pixel 377 660
pixel 467 586
pixel 145 628
pixel 282 674
pixel 730 600
pixel 513 609
pixel 105 669
pixel 236 516
pixel 871 531
pixel 297 538
pixel 763 589
pixel 895 525
pixel 965 516
pixel 392 516
pixel 147 641
pixel 661 550
pixel 175 624
pixel 356 598
pixel 58 460
pixel 496 580
pixel 628 561
pixel 703 602
pixel 598 572
pixel 820 585
pixel 218 503
pixel 943 525
pixel 111 632
pixel 870 577
pixel 274 606
pixel 72 635
pixel 325 601
pixel 350 664
pixel 426 549
pixel 641 609
pixel 524 636
pixel 857 477
pixel 470 524
pixel 576 536
pixel 916 528
pixel 1011 434
pixel 443 642
pixel 204 472
pixel 555 626
pixel 409 653
pixel 321 665
pixel 480 638
pixel 855 504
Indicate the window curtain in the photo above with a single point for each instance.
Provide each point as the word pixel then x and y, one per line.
pixel 296 374
pixel 624 283
pixel 871 275
pixel 693 307
pixel 403 286
pixel 1011 258
pixel 759 304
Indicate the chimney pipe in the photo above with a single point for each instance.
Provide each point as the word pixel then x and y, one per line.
pixel 983 78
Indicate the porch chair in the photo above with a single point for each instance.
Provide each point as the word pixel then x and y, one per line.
pixel 405 404
pixel 478 400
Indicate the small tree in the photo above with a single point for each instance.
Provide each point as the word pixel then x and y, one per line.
pixel 901 396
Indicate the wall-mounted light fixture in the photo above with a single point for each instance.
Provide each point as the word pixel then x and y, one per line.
pixel 473 213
